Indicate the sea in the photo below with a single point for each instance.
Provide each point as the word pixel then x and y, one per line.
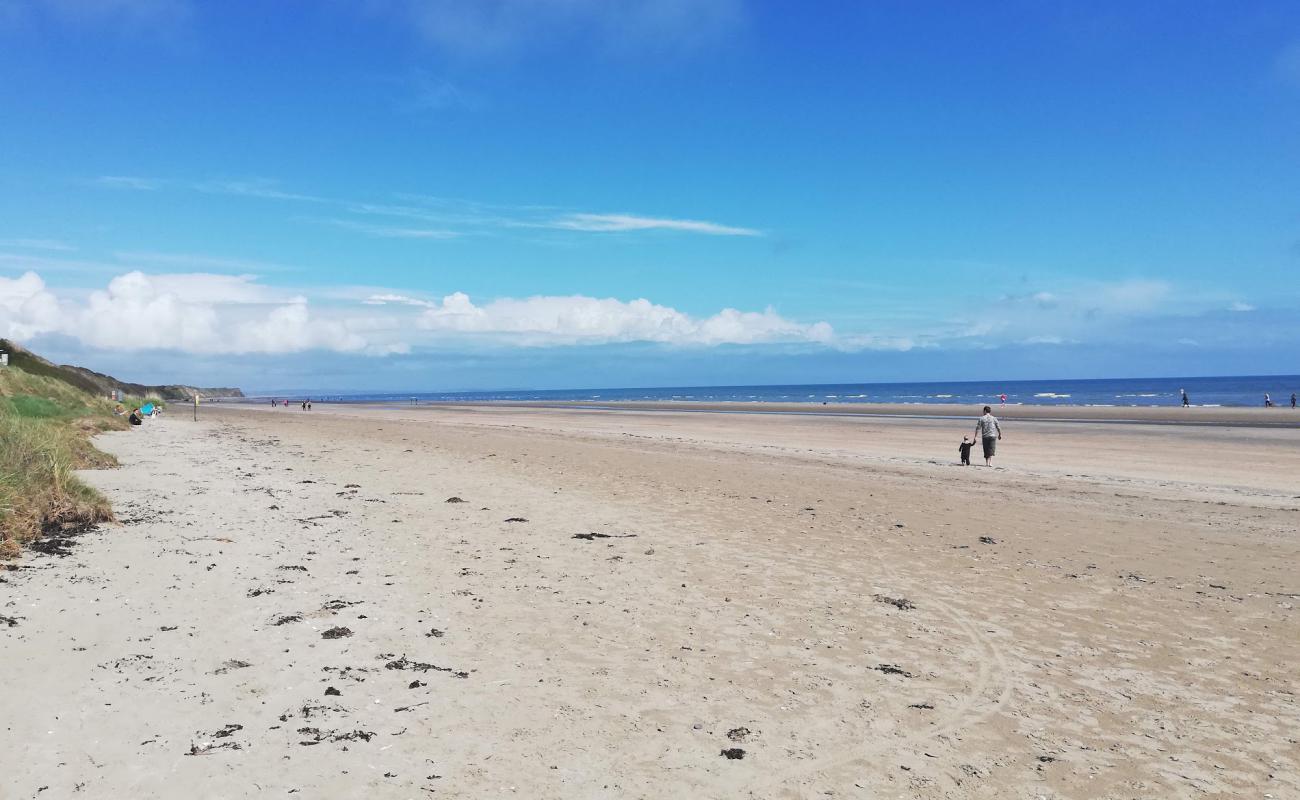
pixel 1228 391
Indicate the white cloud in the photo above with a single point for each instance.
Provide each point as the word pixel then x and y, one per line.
pixel 27 308
pixel 194 313
pixel 206 313
pixel 615 223
pixel 577 319
pixel 1241 307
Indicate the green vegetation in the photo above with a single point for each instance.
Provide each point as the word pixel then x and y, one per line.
pixel 45 429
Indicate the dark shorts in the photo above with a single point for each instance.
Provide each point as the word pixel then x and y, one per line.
pixel 990 446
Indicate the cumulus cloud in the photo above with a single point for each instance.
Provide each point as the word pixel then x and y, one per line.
pixel 27 308
pixel 207 313
pixel 1241 307
pixel 577 319
pixel 194 313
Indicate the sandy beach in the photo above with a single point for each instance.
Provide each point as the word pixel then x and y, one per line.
pixel 493 601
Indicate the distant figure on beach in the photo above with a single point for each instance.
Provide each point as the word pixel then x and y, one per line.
pixel 964 450
pixel 989 432
pixel 1186 401
pixel 1003 398
pixel 304 405
pixel 1268 401
pixel 309 404
pixel 1293 399
pixel 135 417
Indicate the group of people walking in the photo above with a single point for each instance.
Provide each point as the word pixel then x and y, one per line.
pixel 1268 400
pixel 306 404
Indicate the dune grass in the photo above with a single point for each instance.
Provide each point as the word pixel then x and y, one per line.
pixel 45 430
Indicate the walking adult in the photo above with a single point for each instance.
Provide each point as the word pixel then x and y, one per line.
pixel 1268 401
pixel 1186 401
pixel 1293 399
pixel 988 431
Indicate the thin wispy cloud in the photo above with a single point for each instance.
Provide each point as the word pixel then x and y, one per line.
pixel 200 262
pixel 130 182
pixel 37 244
pixel 445 218
pixel 622 223
pixel 389 231
pixel 513 28
pixel 153 17
pixel 263 188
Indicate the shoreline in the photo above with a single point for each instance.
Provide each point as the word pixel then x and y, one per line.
pixel 1235 416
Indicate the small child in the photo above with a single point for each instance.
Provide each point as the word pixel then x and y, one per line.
pixel 964 449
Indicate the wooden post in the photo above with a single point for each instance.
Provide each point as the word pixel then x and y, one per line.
pixel 196 408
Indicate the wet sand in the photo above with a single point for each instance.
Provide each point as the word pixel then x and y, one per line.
pixel 655 604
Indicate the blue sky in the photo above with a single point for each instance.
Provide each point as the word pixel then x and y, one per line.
pixel 426 194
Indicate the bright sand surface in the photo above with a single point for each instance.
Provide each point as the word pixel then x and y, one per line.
pixel 1111 613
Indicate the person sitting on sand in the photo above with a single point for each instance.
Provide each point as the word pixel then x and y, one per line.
pixel 135 418
pixel 964 450
pixel 989 432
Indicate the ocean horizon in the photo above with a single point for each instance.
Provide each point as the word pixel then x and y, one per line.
pixel 1221 391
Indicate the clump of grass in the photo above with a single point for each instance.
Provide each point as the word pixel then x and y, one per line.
pixel 45 425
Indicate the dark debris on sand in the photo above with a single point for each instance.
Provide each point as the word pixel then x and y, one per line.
pixel 58 539
pixel 336 605
pixel 738 734
pixel 892 669
pixel 988 540
pixel 286 619
pixel 591 537
pixel 318 736
pixel 405 663
pixel 515 519
pixel 733 753
pixel 336 633
pixel 901 603
pixel 453 500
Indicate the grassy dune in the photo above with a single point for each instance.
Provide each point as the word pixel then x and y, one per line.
pixel 45 429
